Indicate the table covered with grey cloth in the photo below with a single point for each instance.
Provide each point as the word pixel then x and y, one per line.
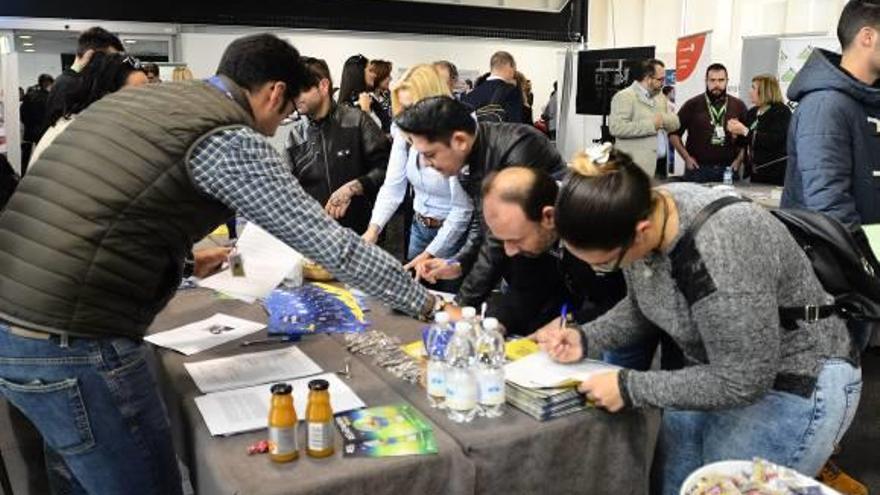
pixel 220 465
pixel 587 452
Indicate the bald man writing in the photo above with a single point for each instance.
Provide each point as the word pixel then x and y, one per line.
pixel 540 275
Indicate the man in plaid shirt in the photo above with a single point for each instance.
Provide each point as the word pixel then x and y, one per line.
pixel 93 242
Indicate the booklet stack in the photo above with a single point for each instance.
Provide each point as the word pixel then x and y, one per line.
pixel 544 389
pixel 545 403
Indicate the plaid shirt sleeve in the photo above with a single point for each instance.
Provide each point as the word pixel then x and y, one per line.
pixel 241 169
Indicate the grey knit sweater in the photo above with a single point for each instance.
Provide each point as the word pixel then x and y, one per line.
pixel 735 349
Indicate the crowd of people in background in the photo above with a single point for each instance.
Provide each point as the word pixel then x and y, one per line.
pixel 483 200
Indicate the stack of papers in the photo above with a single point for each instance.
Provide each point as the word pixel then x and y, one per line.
pixel 545 389
pixel 202 335
pixel 247 409
pixel 245 370
pixel 266 262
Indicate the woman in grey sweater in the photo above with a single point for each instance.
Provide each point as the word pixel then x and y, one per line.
pixel 750 386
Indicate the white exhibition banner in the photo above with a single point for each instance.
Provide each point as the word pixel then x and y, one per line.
pixel 693 55
pixel 793 54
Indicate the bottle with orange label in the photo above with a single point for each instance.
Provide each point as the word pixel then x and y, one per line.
pixel 282 425
pixel 319 420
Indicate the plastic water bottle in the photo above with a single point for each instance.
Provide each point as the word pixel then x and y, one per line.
pixel 436 370
pixel 469 316
pixel 461 383
pixel 490 369
pixel 728 176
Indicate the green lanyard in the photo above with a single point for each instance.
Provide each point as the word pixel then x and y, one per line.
pixel 716 115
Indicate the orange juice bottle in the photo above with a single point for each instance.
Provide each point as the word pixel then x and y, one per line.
pixel 319 420
pixel 282 425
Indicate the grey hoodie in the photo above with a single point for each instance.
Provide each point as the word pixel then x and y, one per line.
pixel 834 143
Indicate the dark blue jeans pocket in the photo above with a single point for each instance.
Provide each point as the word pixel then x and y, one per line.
pixel 57 410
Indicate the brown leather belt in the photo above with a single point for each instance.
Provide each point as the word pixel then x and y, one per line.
pixel 431 223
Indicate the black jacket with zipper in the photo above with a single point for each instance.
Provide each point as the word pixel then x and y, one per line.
pixel 766 153
pixel 344 146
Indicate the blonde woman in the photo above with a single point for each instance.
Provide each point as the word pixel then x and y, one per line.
pixel 764 131
pixel 181 74
pixel 442 208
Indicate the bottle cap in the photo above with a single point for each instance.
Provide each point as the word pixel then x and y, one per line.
pixel 468 312
pixel 490 323
pixel 319 385
pixel 441 317
pixel 281 389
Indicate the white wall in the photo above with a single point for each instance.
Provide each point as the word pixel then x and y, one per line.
pixel 537 60
pixel 31 65
pixel 623 23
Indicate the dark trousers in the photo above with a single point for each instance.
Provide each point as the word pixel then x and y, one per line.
pixel 706 173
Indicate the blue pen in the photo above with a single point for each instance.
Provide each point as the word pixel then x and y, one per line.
pixel 563 314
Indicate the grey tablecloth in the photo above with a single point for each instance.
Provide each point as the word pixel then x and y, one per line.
pixel 222 466
pixel 589 452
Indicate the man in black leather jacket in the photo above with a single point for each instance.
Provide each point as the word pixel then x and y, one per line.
pixel 450 140
pixel 337 152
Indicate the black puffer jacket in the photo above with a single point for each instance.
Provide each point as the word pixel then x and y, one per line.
pixel 344 146
pixel 497 146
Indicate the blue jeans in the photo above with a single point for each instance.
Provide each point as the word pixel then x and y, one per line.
pixel 781 427
pixel 98 409
pixel 419 239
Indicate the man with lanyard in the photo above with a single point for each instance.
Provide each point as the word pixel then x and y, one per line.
pixel 710 148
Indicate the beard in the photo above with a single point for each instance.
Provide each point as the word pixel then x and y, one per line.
pixel 716 94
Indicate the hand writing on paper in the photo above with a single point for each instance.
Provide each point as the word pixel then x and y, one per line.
pixel 562 344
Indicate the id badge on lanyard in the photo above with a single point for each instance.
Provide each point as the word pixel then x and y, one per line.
pixel 717 119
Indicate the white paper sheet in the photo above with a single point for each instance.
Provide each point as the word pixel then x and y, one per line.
pixel 196 337
pixel 247 409
pixel 246 370
pixel 266 262
pixel 539 371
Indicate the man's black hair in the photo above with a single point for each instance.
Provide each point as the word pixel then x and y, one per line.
pixel 716 67
pixel 254 60
pixel 437 118
pixel 150 68
pixel 45 79
pixel 318 68
pixel 857 14
pixel 645 68
pixel 98 39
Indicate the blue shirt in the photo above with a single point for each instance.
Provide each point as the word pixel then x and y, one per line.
pixel 436 196
pixel 241 169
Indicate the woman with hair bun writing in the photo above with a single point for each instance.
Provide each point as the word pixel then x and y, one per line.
pixel 751 386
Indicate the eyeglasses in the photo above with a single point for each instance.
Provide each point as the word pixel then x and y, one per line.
pixel 608 268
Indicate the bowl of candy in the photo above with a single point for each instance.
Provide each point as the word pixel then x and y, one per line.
pixel 757 477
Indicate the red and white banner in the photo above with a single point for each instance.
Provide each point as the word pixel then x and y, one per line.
pixel 692 57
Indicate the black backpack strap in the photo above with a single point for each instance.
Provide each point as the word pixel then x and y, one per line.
pixel 707 212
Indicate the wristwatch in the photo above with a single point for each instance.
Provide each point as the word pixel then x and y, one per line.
pixel 189 265
pixel 437 306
